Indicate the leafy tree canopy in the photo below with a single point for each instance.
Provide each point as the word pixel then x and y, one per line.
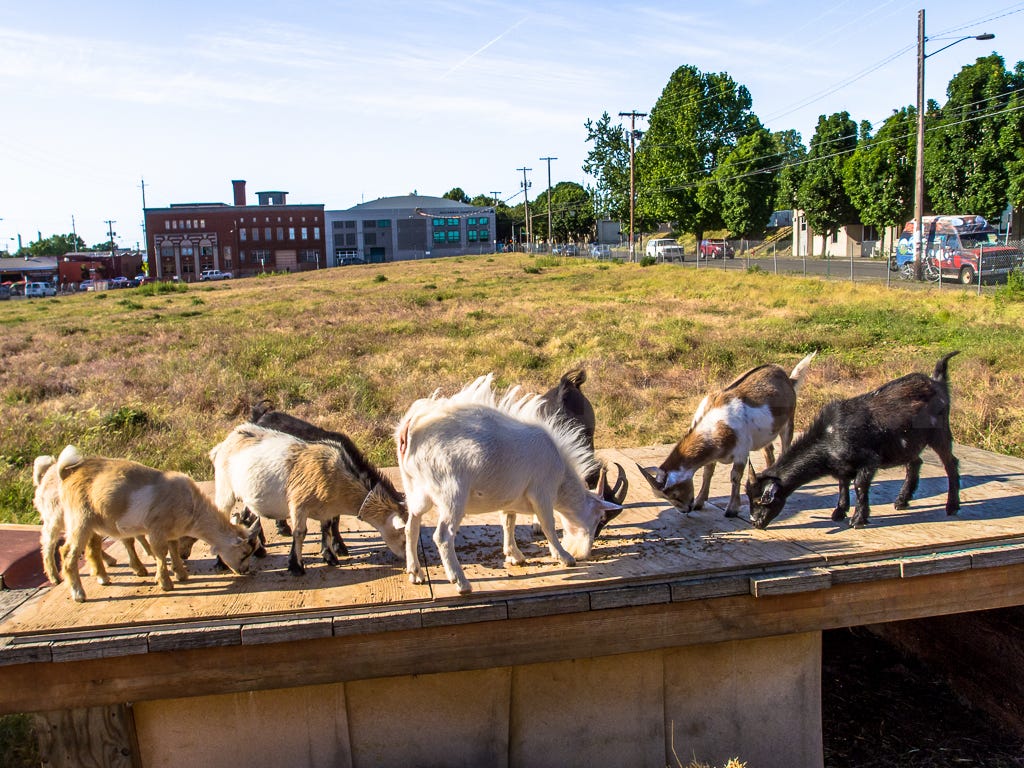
pixel 822 194
pixel 456 193
pixel 608 163
pixel 880 174
pixel 572 213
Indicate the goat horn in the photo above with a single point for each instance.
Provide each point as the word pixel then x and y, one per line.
pixel 602 481
pixel 656 483
pixel 618 491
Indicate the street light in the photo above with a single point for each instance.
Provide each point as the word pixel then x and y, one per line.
pixel 919 172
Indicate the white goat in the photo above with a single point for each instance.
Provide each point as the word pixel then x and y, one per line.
pixel 472 454
pixel 279 476
pixel 730 423
pixel 47 503
pixel 121 498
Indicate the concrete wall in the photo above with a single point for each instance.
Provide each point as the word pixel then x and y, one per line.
pixel 758 700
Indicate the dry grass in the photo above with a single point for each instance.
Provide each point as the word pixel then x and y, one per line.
pixel 161 377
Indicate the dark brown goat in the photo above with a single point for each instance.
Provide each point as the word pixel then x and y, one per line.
pixel 567 401
pixel 852 439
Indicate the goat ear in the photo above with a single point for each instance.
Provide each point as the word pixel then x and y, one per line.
pixel 768 495
pixel 252 533
pixel 751 474
pixel 371 498
pixel 657 481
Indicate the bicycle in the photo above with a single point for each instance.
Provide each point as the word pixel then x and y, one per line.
pixel 930 271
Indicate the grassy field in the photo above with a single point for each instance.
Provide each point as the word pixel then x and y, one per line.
pixel 160 374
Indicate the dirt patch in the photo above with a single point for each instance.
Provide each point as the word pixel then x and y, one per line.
pixel 882 709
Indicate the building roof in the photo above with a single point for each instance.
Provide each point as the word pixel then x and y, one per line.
pixel 18 264
pixel 426 202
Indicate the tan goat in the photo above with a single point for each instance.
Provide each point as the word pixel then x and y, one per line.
pixel 121 498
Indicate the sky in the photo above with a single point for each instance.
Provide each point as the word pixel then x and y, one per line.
pixel 345 102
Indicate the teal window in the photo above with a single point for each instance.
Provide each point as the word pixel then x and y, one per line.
pixel 471 222
pixel 384 223
pixel 439 237
pixel 453 236
pixel 471 234
pixel 453 222
pixel 485 235
pixel 438 222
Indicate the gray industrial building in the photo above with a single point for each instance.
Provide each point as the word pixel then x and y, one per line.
pixel 408 227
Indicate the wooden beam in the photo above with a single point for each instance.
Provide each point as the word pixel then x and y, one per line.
pixel 484 644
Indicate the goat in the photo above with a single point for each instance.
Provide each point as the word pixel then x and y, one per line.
pixel 47 503
pixel 472 454
pixel 277 475
pixel 566 400
pixel 852 439
pixel 730 423
pixel 121 498
pixel 264 415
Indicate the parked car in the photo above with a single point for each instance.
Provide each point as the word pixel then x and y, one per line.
pixel 716 249
pixel 119 282
pixel 665 249
pixel 39 290
pixel 348 261
pixel 86 285
pixel 598 251
pixel 214 274
pixel 962 246
pixel 5 292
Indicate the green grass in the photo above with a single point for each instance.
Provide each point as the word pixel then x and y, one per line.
pixel 164 374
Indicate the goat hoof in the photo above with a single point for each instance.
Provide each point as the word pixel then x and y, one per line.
pixel 838 515
pixel 732 513
pixel 416 578
pixel 340 549
pixel 509 560
pixel 901 504
pixel 858 522
pixel 283 528
pixel 698 505
pixel 297 569
pixel 952 510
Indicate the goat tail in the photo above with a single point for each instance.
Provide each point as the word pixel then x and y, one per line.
pixel 798 372
pixel 69 457
pixel 575 378
pixel 39 467
pixel 261 409
pixel 941 368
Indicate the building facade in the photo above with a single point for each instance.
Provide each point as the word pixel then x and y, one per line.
pixel 272 236
pixel 408 227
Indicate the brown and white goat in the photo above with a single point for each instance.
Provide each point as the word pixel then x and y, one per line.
pixel 745 416
pixel 121 498
pixel 279 476
pixel 47 503
pixel 473 454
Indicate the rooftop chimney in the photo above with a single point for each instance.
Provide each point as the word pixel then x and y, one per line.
pixel 239 187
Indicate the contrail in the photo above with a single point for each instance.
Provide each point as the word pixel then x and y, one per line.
pixel 483 48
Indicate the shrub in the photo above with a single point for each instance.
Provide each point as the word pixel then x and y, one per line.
pixel 648 261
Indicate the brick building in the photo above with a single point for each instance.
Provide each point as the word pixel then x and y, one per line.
pixel 187 238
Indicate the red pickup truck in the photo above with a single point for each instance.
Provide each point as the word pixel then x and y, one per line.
pixel 716 249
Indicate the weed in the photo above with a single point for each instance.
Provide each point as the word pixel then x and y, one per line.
pixel 380 278
pixel 648 261
pixel 531 269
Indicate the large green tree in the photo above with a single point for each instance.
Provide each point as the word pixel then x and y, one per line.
pixel 790 157
pixel 608 163
pixel 456 193
pixel 822 195
pixel 572 213
pixel 55 245
pixel 967 160
pixel 747 182
pixel 1012 139
pixel 696 122
pixel 880 173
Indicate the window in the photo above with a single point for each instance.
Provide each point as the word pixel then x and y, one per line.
pixel 350 239
pixel 241 234
pixel 453 222
pixel 383 223
pixel 484 235
pixel 471 235
pixel 339 241
pixel 439 237
pixel 202 223
pixel 438 222
pixel 310 256
pixel 316 233
pixel 453 236
pixel 186 249
pixel 369 224
pixel 304 234
pixel 167 225
pixel 350 225
pixel 167 251
pixel 291 233
pixel 280 233
pixel 267 233
pixel 255 233
pixel 471 222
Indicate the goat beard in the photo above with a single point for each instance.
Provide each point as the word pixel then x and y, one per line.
pixel 576 539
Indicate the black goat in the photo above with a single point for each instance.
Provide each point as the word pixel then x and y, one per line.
pixel 852 439
pixel 331 544
pixel 567 400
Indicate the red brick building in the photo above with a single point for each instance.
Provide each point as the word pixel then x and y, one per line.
pixel 271 236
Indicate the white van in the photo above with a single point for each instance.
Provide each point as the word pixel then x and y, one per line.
pixel 39 290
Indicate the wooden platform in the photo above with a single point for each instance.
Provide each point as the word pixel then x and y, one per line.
pixel 651 553
pixel 658 580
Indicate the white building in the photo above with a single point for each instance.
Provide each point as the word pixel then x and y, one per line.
pixel 408 227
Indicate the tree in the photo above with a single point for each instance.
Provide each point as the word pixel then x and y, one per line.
pixel 967 159
pixel 456 193
pixel 880 174
pixel 747 182
pixel 696 122
pixel 55 245
pixel 1012 139
pixel 608 163
pixel 790 156
pixel 822 195
pixel 572 213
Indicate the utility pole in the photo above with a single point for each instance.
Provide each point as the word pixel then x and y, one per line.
pixel 550 233
pixel 74 233
pixel 526 206
pixel 632 174
pixel 110 233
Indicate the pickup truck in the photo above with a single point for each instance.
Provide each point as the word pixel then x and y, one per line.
pixel 664 249
pixel 214 274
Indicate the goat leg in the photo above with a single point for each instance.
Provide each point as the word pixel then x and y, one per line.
pixel 705 490
pixel 861 484
pixel 283 528
pixel 510 548
pixel 327 550
pixel 94 556
pixel 177 564
pixel 298 536
pixel 952 467
pixel 909 484
pixel 133 557
pixel 339 545
pixel 843 504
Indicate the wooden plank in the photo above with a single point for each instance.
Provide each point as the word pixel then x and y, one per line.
pixel 855 573
pixel 639 594
pixel 194 637
pixel 25 652
pixel 548 605
pixel 997 556
pixel 932 564
pixel 99 737
pixel 286 631
pixel 704 589
pixel 101 648
pixel 377 622
pixel 590 634
pixel 442 616
pixel 806 580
